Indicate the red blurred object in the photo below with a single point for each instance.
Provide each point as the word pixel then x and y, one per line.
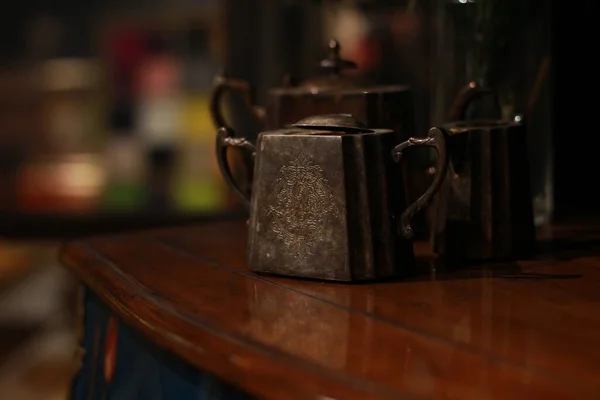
pixel 367 54
pixel 110 349
pixel 67 184
pixel 126 49
pixel 158 76
pixel 124 54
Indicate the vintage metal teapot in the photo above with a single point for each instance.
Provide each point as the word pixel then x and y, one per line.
pixel 484 209
pixel 328 199
pixel 332 92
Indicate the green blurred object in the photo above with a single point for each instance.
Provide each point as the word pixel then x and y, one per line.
pixel 192 194
pixel 124 196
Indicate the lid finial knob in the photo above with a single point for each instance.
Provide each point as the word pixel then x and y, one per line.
pixel 334 62
pixel 334 47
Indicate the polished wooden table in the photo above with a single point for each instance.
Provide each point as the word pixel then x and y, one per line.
pixel 176 312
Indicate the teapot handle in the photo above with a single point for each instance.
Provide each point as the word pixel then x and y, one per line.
pixel 225 139
pixel 467 94
pixel 435 139
pixel 224 84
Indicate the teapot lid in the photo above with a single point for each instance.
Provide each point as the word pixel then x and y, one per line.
pixel 333 77
pixel 332 122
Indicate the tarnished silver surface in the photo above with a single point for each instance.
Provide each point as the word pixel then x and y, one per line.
pixel 301 205
pixel 328 199
pixel 333 122
pixel 485 208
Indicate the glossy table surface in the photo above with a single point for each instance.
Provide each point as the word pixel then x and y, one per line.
pixel 526 330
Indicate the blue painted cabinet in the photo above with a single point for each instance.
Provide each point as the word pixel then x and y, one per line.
pixel 120 364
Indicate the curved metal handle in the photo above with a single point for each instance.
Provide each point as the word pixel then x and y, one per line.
pixel 435 139
pixel 224 84
pixel 463 99
pixel 224 140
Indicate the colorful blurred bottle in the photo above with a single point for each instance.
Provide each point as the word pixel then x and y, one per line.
pixel 124 162
pixel 199 186
pixel 157 118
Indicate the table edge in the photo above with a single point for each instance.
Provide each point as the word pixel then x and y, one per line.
pixel 73 254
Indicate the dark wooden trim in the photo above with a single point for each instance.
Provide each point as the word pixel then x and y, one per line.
pixel 518 329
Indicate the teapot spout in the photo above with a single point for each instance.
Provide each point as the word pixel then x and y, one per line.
pixel 465 96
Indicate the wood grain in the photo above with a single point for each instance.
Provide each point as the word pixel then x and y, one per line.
pixel 506 330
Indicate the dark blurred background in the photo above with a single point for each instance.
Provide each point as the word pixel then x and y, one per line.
pixel 104 104
pixel 104 121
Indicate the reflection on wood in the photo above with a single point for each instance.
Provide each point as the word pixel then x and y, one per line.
pixel 514 330
pixel 297 326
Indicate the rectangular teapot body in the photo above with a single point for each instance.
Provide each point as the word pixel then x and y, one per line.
pixel 485 209
pixel 326 207
pixel 388 109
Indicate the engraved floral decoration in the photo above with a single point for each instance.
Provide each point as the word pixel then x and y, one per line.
pixel 300 204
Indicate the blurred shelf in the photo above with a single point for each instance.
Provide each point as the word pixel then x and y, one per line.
pixel 21 225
